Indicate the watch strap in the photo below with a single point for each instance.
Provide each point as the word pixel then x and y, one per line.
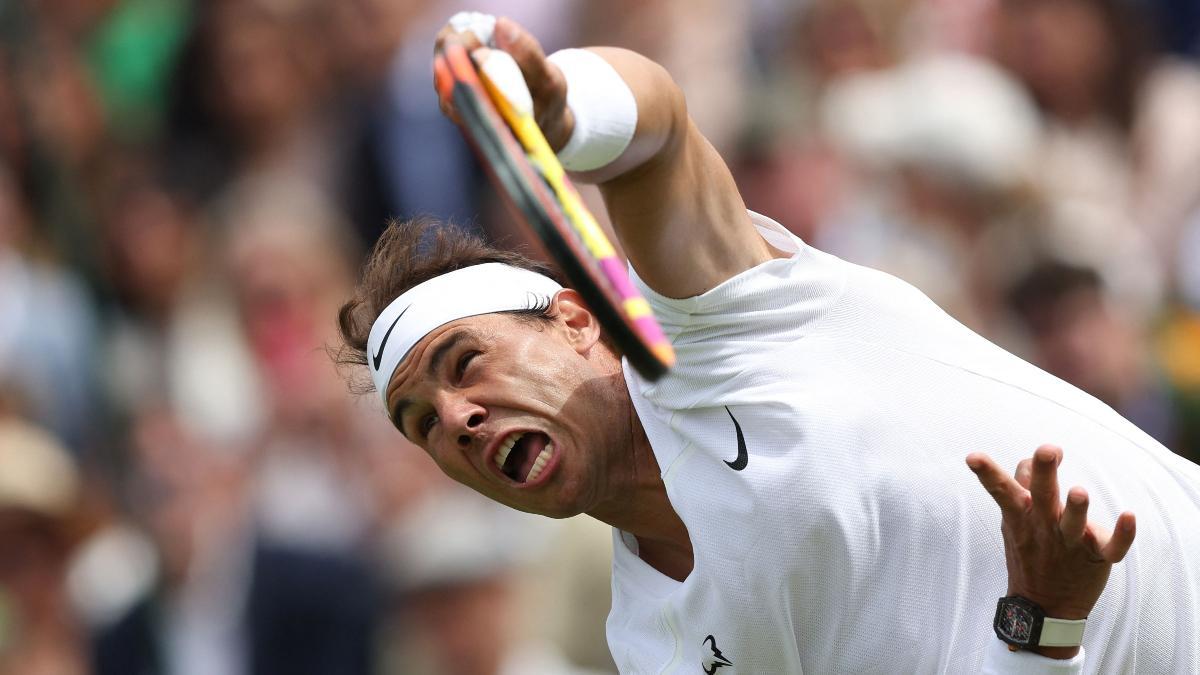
pixel 1061 632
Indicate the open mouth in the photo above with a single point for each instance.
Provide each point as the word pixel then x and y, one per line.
pixel 524 455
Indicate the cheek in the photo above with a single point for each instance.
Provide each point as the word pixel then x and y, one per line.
pixel 454 465
pixel 541 370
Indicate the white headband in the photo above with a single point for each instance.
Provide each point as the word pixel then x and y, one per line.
pixel 469 291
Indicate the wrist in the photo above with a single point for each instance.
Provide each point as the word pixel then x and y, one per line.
pixel 1025 625
pixel 1053 608
pixel 601 112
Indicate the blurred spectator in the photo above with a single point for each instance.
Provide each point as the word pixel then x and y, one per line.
pixel 223 599
pixel 131 53
pixel 941 148
pixel 47 328
pixel 259 533
pixel 1122 132
pixel 249 95
pixel 403 158
pixel 39 526
pixel 458 562
pixel 1079 335
pixel 1177 347
pixel 787 166
pixel 805 49
pixel 171 338
pixel 290 261
pixel 703 44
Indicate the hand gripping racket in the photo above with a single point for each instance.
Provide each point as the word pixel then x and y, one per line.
pixel 524 169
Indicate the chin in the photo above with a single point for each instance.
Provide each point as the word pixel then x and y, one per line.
pixel 557 506
pixel 560 514
pixel 557 511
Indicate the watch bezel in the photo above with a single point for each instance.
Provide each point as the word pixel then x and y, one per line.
pixel 1037 618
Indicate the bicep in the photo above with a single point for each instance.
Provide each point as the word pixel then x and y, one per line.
pixel 670 196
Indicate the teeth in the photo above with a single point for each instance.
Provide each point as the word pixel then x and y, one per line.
pixel 540 463
pixel 506 447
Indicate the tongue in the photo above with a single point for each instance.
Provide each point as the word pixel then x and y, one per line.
pixel 530 446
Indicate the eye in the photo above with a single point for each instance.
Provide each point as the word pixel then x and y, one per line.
pixel 461 368
pixel 425 425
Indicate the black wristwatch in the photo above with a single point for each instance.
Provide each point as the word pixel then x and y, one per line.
pixel 1024 625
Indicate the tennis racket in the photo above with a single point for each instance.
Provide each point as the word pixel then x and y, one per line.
pixel 535 187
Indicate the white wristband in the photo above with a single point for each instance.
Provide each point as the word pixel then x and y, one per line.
pixel 1061 632
pixel 603 106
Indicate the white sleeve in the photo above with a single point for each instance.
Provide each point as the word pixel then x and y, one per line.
pixel 999 660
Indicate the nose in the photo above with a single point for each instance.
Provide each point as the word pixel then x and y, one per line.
pixel 463 419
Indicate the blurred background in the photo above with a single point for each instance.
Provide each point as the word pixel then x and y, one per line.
pixel 187 189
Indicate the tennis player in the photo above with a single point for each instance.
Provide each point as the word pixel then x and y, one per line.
pixel 792 497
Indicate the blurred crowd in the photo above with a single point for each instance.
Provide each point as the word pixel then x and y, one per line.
pixel 187 188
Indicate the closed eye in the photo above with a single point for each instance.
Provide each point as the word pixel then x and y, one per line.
pixel 460 369
pixel 426 424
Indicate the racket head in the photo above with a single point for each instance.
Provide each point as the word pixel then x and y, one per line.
pixel 524 190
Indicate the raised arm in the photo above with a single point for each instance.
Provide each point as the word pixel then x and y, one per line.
pixel 670 196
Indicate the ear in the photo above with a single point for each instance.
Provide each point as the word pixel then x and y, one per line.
pixel 582 328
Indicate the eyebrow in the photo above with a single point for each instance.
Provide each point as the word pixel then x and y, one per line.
pixel 439 354
pixel 435 363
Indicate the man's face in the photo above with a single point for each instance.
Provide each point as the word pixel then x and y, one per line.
pixel 1085 342
pixel 515 408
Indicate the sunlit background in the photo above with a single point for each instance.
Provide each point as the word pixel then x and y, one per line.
pixel 187 190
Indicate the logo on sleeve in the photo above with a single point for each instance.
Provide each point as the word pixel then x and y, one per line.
pixel 377 357
pixel 743 456
pixel 714 660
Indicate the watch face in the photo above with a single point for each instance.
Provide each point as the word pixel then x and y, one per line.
pixel 1015 623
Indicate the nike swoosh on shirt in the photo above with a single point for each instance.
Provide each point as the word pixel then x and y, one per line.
pixel 743 456
pixel 378 357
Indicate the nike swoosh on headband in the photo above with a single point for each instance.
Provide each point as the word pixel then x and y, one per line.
pixel 377 357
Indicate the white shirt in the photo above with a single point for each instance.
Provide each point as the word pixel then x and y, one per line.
pixel 855 539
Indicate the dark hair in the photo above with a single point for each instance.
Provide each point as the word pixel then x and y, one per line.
pixel 407 254
pixel 1047 283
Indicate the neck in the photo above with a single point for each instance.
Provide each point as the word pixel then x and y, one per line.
pixel 640 505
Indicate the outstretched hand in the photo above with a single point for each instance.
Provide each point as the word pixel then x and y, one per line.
pixel 1055 556
pixel 546 83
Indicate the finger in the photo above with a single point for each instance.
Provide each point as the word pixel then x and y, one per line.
pixel 471 29
pixel 1074 516
pixel 544 79
pixel 1122 538
pixel 1043 484
pixel 448 34
pixel 1024 472
pixel 440 40
pixel 443 84
pixel 1007 493
pixel 449 111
